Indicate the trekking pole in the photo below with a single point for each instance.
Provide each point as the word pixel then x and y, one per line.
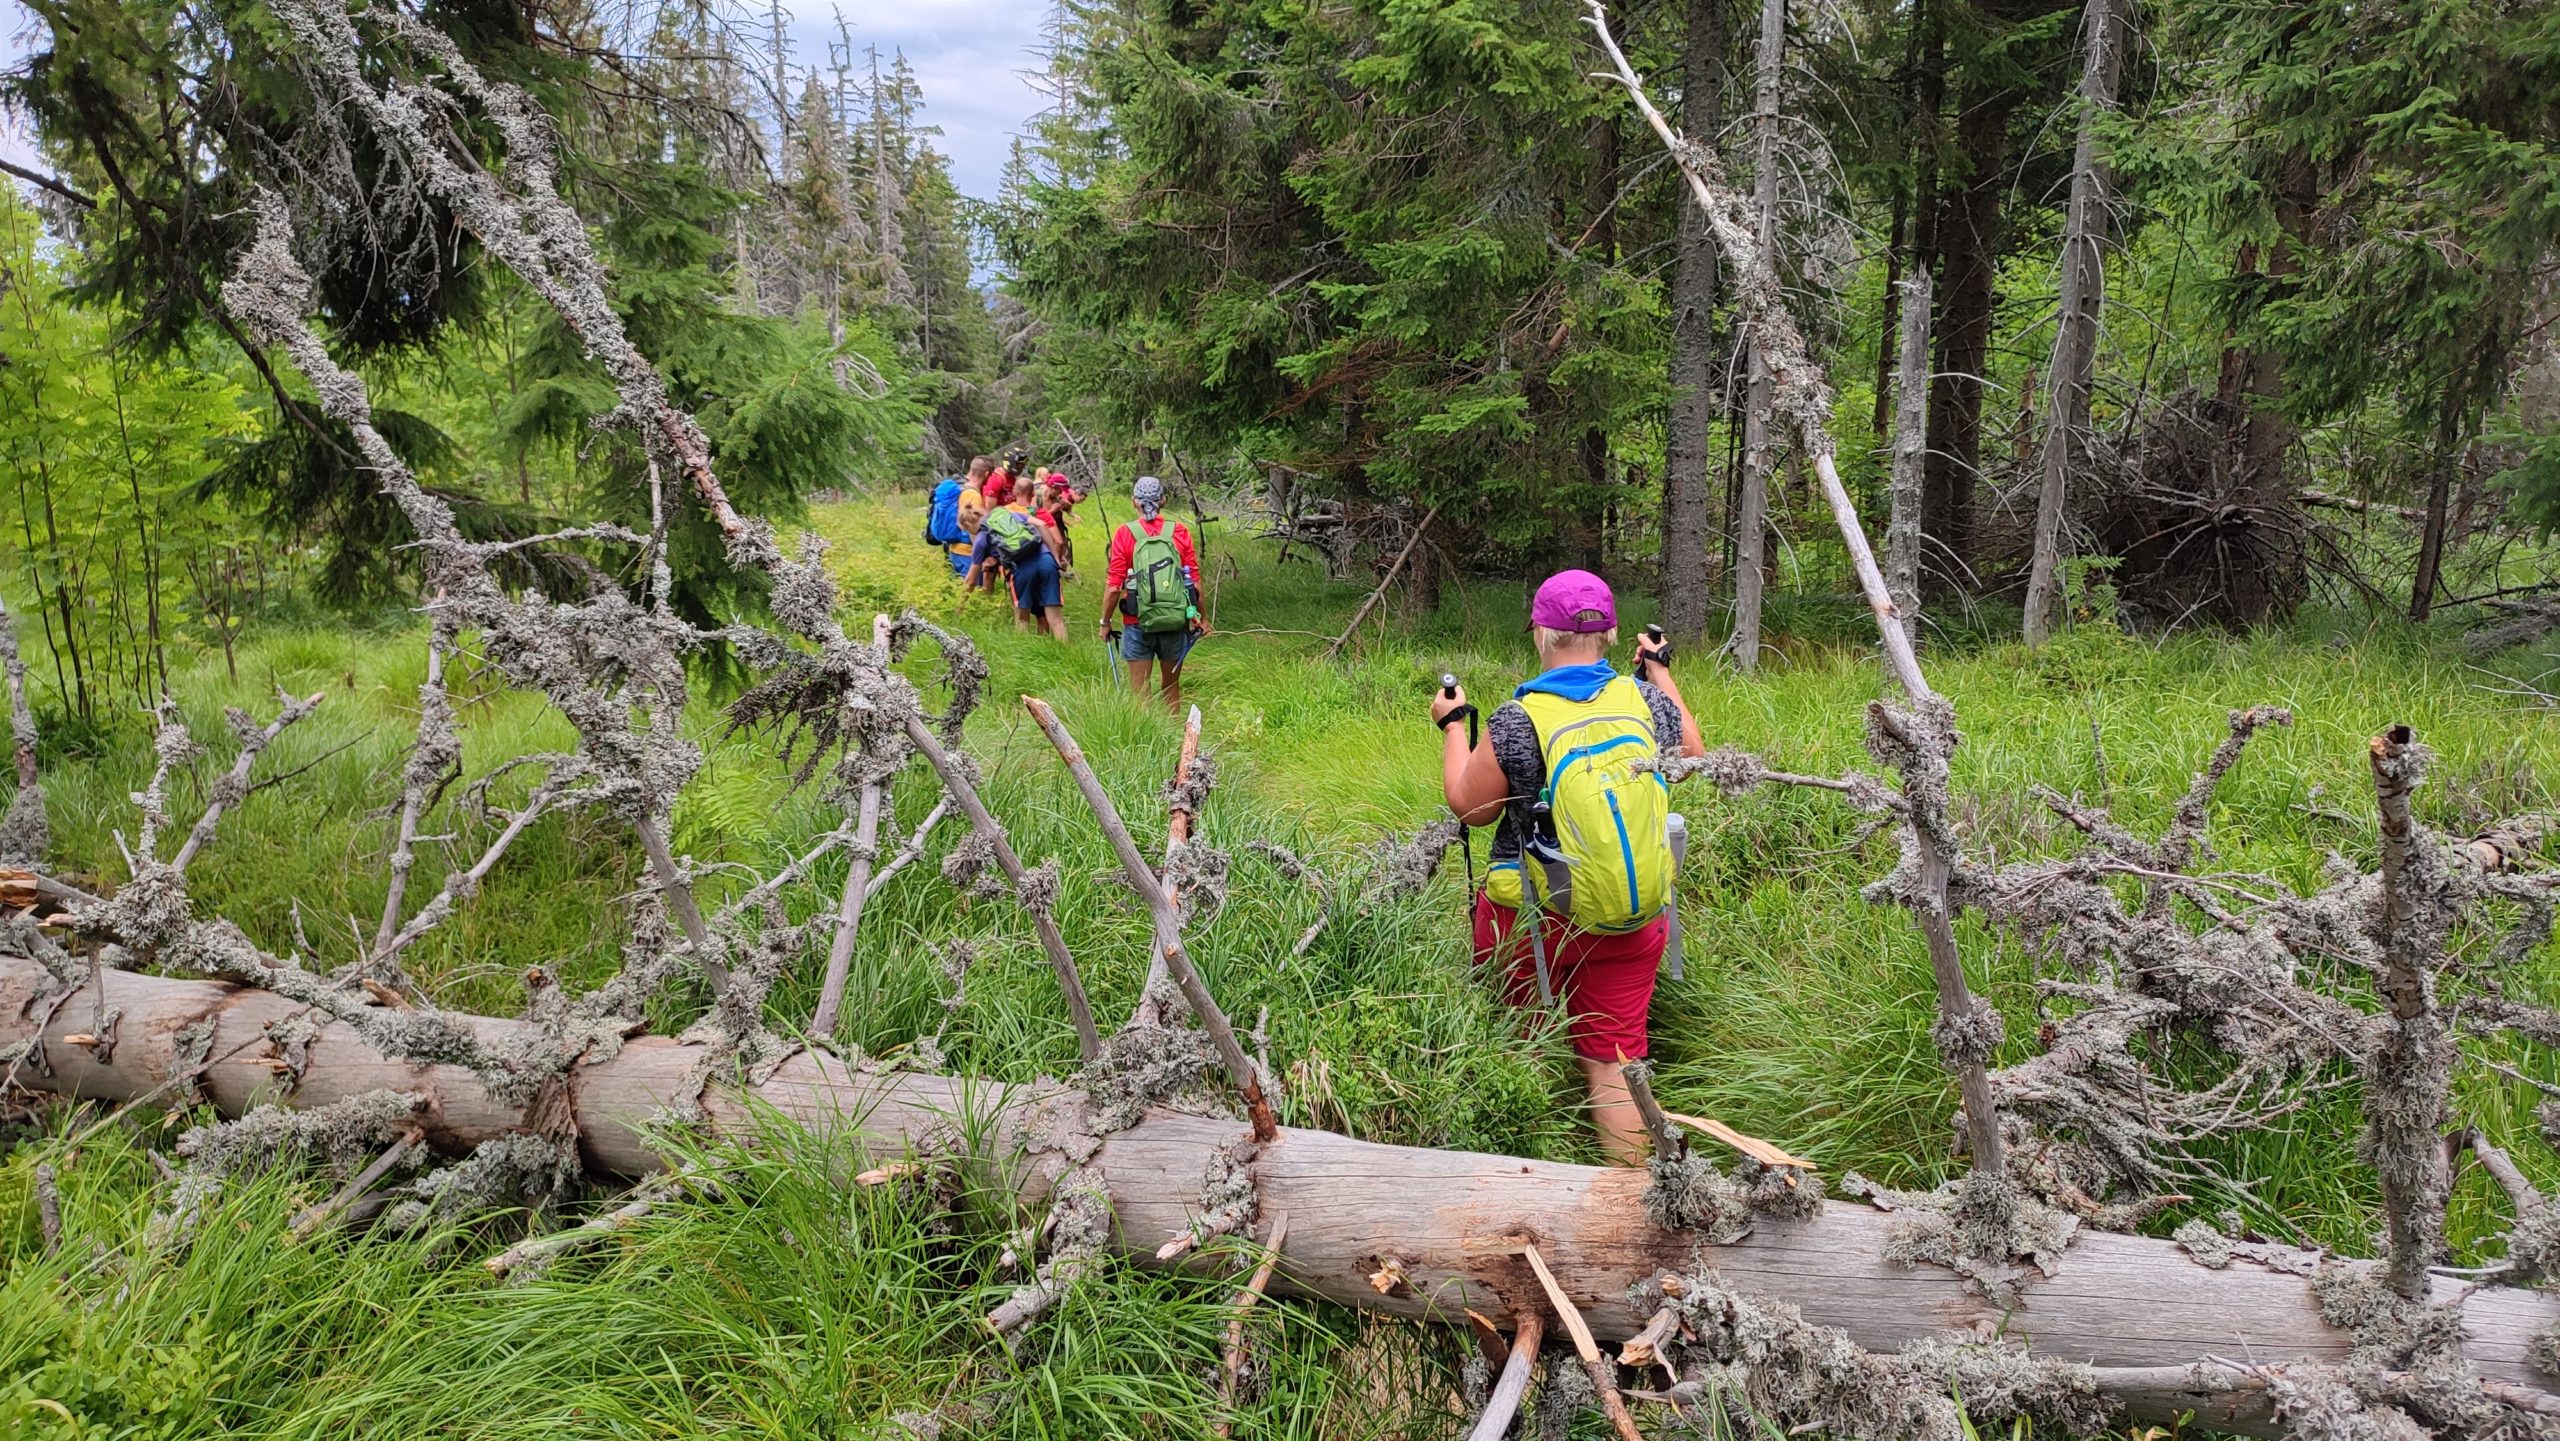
pixel 1539 848
pixel 1466 834
pixel 1676 945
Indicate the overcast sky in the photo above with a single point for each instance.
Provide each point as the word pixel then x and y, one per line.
pixel 970 56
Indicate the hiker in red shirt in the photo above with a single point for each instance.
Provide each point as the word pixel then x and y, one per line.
pixel 999 484
pixel 1152 590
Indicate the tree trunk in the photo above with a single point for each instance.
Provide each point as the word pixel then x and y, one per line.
pixel 1910 454
pixel 1888 327
pixel 2253 385
pixel 2139 1310
pixel 1751 522
pixel 2422 588
pixel 1688 475
pixel 2084 293
pixel 1967 236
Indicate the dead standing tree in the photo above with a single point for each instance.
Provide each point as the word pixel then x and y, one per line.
pixel 1759 453
pixel 1902 537
pixel 2084 292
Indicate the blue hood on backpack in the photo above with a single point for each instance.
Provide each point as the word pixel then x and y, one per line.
pixel 1573 682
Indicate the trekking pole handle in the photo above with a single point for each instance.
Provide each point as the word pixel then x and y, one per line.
pixel 1449 691
pixel 1661 652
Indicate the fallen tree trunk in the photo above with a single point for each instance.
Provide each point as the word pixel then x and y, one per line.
pixel 2139 1310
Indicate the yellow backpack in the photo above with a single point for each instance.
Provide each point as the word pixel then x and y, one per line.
pixel 1610 821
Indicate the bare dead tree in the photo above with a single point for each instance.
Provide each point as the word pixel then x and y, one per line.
pixel 2084 292
pixel 1902 538
pixel 1759 459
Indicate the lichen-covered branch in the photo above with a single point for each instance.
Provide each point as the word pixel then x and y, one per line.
pixel 1168 939
pixel 2409 1075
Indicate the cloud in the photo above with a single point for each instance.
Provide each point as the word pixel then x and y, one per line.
pixel 976 60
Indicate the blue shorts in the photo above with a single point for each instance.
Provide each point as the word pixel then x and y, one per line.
pixel 959 562
pixel 1169 646
pixel 1035 582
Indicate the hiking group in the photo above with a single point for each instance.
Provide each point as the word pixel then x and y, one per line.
pixel 998 523
pixel 1576 910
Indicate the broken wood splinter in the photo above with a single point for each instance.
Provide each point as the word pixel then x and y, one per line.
pixel 1752 1146
pixel 1585 1347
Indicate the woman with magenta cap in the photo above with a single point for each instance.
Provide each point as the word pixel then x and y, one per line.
pixel 1578 882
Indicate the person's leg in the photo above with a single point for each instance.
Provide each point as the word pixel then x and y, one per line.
pixel 1607 986
pixel 1058 622
pixel 1614 1113
pixel 1175 649
pixel 1132 650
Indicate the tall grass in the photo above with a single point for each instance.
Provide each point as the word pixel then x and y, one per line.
pixel 787 1303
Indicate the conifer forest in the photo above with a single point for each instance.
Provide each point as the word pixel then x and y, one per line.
pixel 1411 719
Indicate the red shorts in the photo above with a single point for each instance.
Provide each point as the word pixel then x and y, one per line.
pixel 1605 981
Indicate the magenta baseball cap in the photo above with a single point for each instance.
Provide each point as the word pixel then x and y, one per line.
pixel 1576 601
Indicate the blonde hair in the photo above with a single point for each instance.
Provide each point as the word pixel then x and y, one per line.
pixel 1546 638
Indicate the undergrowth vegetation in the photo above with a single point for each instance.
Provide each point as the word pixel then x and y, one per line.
pixel 782 1301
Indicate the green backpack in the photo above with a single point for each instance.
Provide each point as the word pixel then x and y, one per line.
pixel 1611 818
pixel 1016 538
pixel 1158 595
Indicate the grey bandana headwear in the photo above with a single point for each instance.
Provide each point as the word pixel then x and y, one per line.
pixel 1148 496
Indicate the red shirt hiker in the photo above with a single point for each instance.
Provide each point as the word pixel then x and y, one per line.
pixel 1124 551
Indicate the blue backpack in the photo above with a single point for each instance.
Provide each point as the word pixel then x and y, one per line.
pixel 942 515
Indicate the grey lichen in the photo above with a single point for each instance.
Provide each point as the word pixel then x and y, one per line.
pixel 1983 1227
pixel 1770 1367
pixel 2406 1377
pixel 2215 1248
pixel 514 1170
pixel 1565 1396
pixel 1688 1193
pixel 1142 1066
pixel 1230 1201
pixel 1399 868
pixel 1196 874
pixel 268 1136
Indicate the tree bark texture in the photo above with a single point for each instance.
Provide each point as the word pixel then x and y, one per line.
pixel 1688 474
pixel 2084 292
pixel 1910 454
pixel 1759 455
pixel 1967 234
pixel 2115 1301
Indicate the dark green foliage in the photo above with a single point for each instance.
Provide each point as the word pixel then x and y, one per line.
pixel 2406 154
pixel 1379 243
